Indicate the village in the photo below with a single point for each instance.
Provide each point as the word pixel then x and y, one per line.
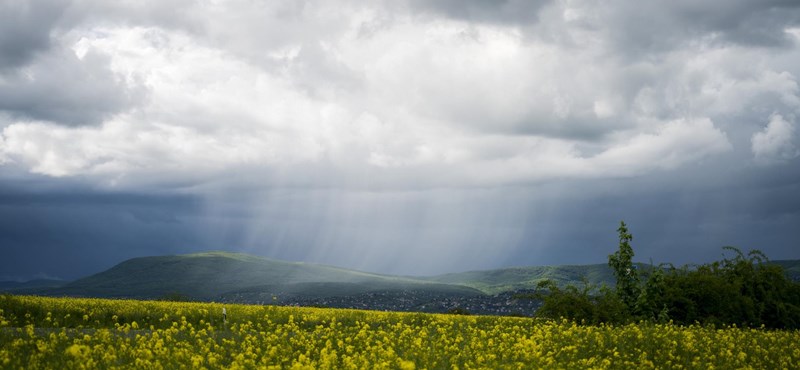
pixel 515 303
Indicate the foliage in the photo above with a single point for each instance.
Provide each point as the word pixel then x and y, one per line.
pixel 651 303
pixel 571 302
pixel 39 333
pixel 621 262
pixel 743 290
pixel 580 304
pixel 458 311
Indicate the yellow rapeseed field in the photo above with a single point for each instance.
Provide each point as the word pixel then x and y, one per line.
pixel 71 333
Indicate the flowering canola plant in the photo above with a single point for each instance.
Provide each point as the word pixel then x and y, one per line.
pixel 73 333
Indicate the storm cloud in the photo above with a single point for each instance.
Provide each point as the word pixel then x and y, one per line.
pixel 405 137
pixel 25 29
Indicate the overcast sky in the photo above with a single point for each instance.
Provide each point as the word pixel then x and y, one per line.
pixel 411 137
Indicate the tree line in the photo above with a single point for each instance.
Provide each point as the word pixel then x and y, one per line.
pixel 743 289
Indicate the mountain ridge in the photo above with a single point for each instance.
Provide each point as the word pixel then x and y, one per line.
pixel 206 275
pixel 239 277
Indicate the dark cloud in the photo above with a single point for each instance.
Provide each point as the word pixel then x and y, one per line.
pixel 25 28
pixel 520 12
pixel 72 232
pixel 747 22
pixel 638 28
pixel 41 78
pixel 61 88
pixel 682 216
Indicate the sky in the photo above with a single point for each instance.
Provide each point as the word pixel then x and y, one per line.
pixel 412 137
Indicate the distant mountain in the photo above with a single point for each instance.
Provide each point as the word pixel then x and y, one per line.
pixel 30 286
pixel 235 277
pixel 516 278
pixel 791 267
pixel 520 278
pixel 222 275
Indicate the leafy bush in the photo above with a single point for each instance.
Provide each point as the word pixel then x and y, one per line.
pixel 745 290
pixel 580 305
pixel 458 311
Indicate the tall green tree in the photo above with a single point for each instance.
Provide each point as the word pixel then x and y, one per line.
pixel 621 263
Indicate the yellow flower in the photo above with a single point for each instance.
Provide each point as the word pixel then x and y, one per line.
pixel 77 350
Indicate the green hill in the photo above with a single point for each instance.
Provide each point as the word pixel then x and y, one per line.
pixel 515 278
pixel 213 275
pixel 245 278
pixel 30 286
pixel 791 267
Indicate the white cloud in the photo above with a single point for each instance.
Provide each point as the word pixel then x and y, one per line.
pixel 776 143
pixel 353 88
pixel 675 143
